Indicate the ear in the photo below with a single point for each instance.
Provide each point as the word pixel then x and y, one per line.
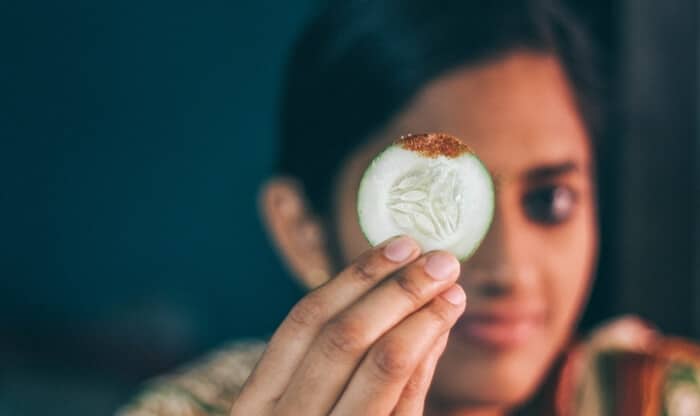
pixel 297 234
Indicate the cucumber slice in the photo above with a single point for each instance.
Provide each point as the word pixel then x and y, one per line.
pixel 431 187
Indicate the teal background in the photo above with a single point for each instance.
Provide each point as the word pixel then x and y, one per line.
pixel 133 142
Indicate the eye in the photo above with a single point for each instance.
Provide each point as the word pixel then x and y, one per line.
pixel 549 205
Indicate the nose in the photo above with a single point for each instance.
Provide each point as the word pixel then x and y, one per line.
pixel 504 263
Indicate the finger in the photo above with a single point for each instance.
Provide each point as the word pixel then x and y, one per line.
pixel 334 355
pixel 414 393
pixel 290 342
pixel 378 383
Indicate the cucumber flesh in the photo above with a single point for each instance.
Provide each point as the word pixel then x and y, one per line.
pixel 431 187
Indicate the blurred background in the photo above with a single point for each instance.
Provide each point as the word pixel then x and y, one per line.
pixel 134 136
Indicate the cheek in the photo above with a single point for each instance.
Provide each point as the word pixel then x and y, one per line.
pixel 565 257
pixel 569 269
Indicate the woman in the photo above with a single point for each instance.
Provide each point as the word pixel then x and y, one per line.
pixel 387 329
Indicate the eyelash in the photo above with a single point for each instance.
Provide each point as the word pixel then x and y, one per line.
pixel 539 204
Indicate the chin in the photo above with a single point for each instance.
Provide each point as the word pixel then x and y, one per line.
pixel 471 375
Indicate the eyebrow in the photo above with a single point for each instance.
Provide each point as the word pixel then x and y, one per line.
pixel 550 171
pixel 540 173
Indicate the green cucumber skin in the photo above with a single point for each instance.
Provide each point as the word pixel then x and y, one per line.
pixel 490 220
pixel 493 210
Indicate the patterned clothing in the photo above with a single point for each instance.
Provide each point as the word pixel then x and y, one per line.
pixel 623 369
pixel 205 388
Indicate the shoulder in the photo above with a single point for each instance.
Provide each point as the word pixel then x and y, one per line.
pixel 205 387
pixel 628 368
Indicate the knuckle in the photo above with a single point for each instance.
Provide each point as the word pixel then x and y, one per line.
pixel 413 389
pixel 411 289
pixel 346 337
pixel 308 312
pixel 443 314
pixel 363 269
pixel 393 361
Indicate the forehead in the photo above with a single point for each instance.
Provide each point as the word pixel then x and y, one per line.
pixel 515 112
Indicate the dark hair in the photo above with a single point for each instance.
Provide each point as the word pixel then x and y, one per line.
pixel 360 61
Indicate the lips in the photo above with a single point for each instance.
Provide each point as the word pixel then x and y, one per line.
pixel 507 327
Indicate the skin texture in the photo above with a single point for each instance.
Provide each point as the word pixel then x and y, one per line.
pixel 519 115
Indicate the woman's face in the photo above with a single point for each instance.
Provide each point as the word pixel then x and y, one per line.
pixel 527 282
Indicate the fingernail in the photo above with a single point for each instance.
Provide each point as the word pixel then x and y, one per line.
pixel 455 295
pixel 441 266
pixel 399 249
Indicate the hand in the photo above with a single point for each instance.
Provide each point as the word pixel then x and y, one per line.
pixel 364 343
